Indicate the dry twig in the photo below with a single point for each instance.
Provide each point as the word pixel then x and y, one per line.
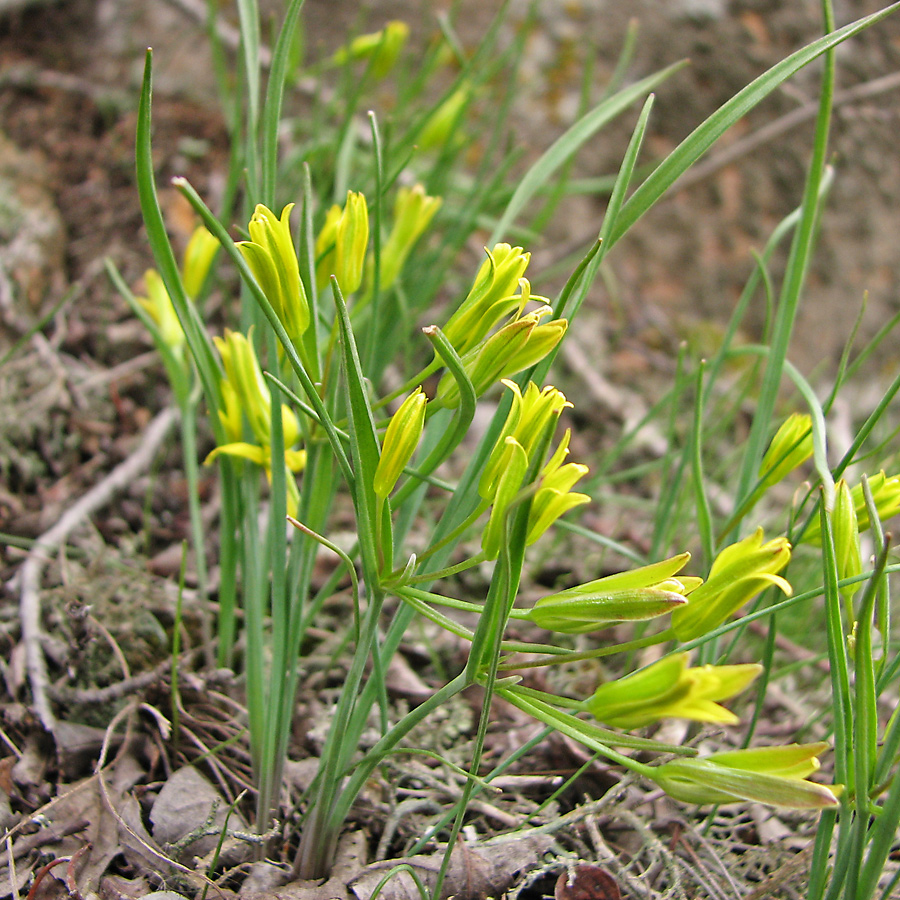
pixel 49 542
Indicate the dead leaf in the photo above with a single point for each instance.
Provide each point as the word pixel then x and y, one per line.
pixel 587 883
pixel 189 803
pixel 401 679
pixel 29 771
pixel 163 895
pixel 78 746
pixel 139 848
pixel 483 870
pixel 24 870
pixel 115 887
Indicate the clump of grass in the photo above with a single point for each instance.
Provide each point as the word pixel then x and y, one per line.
pixel 297 401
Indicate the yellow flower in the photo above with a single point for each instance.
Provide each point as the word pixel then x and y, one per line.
pixel 493 296
pixel 381 47
pixel 529 418
pixel 413 212
pixel 158 304
pixel 198 257
pixel 244 391
pixel 342 243
pixel 738 573
pixel 669 689
pixel 443 125
pixel 886 494
pixel 351 241
pixel 516 346
pixel 271 257
pixel 554 497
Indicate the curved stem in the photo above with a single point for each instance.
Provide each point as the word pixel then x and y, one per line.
pixel 563 657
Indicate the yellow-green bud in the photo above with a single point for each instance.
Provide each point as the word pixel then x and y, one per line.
pixel 669 689
pixel 198 257
pixel 400 442
pixel 738 573
pixel 382 47
pixel 243 374
pixel 886 494
pixel 230 414
pixel 413 212
pixel 325 247
pixel 639 594
pixel 846 537
pixel 514 465
pixel 271 257
pixel 351 242
pixel 516 346
pixel 790 448
pixel 444 120
pixel 159 306
pixel 772 775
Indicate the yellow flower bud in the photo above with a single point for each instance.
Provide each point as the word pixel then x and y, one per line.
pixel 444 120
pixel 413 212
pixel 158 304
pixel 790 448
pixel 493 296
pixel 886 494
pixel 514 465
pixel 528 420
pixel 516 346
pixel 772 775
pixel 846 537
pixel 554 498
pixel 325 247
pixel 245 380
pixel 400 442
pixel 639 594
pixel 198 257
pixel 381 47
pixel 351 242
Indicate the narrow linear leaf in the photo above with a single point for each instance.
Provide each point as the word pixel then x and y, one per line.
pixel 568 143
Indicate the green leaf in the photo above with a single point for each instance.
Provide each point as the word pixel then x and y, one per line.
pixel 364 447
pixel 197 339
pixel 274 94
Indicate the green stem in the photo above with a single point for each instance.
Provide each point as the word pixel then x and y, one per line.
pixel 564 657
pixel 192 476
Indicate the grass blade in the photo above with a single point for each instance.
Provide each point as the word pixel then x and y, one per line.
pixel 564 146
